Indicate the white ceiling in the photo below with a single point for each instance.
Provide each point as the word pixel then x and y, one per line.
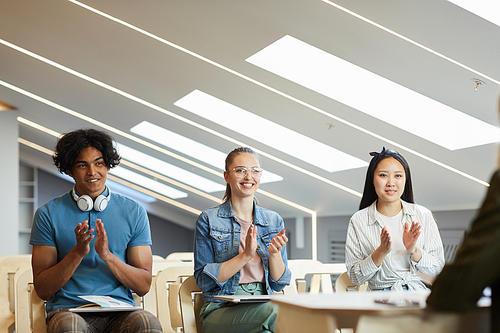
pixel 228 32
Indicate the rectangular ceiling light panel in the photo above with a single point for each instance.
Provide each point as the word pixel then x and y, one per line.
pixel 374 95
pixel 190 148
pixel 487 9
pixel 148 183
pixel 169 170
pixel 268 132
pixel 180 143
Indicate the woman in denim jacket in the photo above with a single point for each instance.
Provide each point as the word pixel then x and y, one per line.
pixel 239 250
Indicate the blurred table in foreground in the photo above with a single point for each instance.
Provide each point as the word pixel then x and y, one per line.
pixel 327 312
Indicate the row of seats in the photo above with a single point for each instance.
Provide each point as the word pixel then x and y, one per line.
pixel 171 297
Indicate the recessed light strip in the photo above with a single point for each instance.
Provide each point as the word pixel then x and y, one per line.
pixel 157 165
pixel 392 32
pixel 147 182
pixel 287 202
pixel 169 180
pixel 411 151
pixel 38 127
pixel 155 195
pixel 35 146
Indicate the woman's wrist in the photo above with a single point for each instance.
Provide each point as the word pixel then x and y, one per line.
pixel 379 255
pixel 415 254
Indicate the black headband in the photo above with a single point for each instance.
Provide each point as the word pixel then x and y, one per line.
pixel 388 152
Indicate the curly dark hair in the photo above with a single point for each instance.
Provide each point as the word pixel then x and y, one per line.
pixel 71 144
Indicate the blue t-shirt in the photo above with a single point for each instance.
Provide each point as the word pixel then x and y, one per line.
pixel 126 224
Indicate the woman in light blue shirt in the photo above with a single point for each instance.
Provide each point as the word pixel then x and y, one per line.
pixel 240 249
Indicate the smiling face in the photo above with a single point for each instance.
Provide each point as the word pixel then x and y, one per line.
pixel 247 185
pixel 389 180
pixel 89 172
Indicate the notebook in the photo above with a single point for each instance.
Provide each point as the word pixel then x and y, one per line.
pixel 245 298
pixel 103 304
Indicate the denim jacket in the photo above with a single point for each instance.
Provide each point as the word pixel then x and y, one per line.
pixel 217 239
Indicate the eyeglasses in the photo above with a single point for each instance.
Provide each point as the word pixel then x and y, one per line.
pixel 241 172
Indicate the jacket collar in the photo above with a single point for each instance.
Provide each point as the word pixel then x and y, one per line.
pixel 408 210
pixel 226 211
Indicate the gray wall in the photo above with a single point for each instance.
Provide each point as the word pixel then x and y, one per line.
pixel 169 237
pixel 9 195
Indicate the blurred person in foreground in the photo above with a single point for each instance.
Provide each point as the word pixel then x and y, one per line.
pixel 462 282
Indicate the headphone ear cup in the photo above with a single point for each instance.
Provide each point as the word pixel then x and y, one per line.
pixel 100 204
pixel 85 203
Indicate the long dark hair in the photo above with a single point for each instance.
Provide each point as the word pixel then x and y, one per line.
pixel 71 144
pixel 369 194
pixel 229 159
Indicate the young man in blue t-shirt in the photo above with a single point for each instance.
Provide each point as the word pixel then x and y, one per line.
pixel 90 241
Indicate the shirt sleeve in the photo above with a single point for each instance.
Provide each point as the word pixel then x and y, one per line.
pixel 461 283
pixel 42 232
pixel 142 234
pixel 432 260
pixel 206 270
pixel 285 278
pixel 360 267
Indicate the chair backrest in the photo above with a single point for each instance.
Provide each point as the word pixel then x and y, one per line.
pixel 181 256
pixel 167 285
pixel 150 299
pixel 9 264
pixel 191 304
pixel 320 276
pixel 37 311
pixel 343 284
pixel 157 257
pixel 30 309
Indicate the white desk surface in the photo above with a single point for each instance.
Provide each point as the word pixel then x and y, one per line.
pixel 354 301
pixel 327 312
pixel 340 310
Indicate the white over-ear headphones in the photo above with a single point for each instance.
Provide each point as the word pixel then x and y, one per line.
pixel 86 204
